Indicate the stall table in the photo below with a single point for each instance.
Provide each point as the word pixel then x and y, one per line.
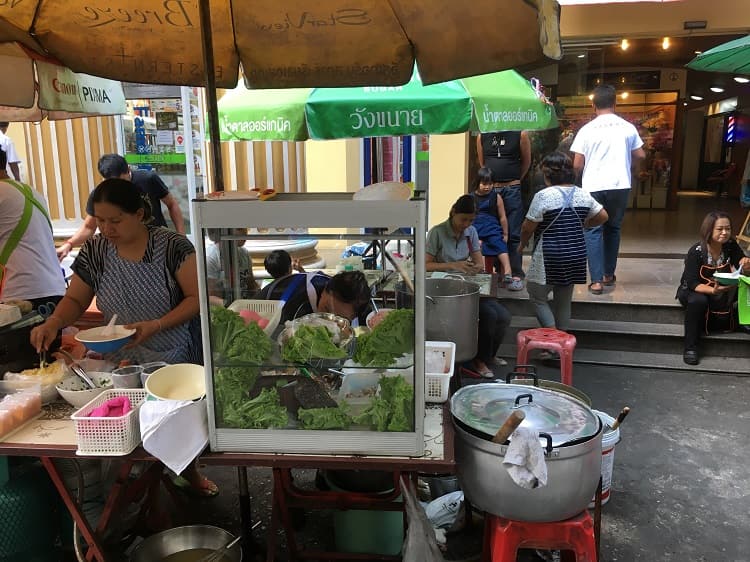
pixel 53 436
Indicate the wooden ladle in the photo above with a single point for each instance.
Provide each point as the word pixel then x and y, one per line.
pixel 510 425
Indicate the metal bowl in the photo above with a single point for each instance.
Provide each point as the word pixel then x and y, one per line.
pixel 347 333
pixel 180 539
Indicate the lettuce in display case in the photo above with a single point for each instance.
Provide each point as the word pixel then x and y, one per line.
pixel 318 379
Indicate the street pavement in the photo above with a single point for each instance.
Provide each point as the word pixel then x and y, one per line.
pixel 681 484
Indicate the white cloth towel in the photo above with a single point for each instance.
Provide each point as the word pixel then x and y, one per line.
pixel 524 459
pixel 174 431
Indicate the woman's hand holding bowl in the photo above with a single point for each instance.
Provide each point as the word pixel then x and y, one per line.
pixel 143 331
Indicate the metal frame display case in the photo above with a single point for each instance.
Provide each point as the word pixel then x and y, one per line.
pixel 334 217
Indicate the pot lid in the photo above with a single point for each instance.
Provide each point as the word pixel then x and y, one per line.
pixel 485 407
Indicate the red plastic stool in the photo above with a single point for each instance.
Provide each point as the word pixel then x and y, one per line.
pixel 503 537
pixel 551 339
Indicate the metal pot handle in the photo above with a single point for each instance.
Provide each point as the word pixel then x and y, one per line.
pixel 522 375
pixel 517 403
pixel 429 298
pixel 548 438
pixel 454 276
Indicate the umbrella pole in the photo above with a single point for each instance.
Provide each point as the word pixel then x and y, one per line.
pixel 211 100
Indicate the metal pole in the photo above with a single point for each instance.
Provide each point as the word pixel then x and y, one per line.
pixel 211 100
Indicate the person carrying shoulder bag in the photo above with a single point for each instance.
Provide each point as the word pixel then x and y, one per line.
pixel 710 306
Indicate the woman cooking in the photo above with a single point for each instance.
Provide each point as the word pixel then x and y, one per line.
pixel 709 305
pixel 453 246
pixel 147 276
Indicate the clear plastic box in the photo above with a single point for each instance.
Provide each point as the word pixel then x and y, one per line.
pixel 19 403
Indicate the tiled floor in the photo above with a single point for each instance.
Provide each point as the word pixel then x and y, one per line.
pixel 652 249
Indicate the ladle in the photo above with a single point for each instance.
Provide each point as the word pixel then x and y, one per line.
pixel 219 553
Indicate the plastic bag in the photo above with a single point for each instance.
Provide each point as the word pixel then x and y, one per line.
pixel 420 544
pixel 443 511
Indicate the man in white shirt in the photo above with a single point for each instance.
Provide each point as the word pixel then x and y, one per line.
pixel 6 143
pixel 605 150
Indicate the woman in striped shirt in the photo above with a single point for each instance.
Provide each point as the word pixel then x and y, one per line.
pixel 559 213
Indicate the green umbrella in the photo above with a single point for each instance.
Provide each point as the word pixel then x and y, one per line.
pixel 491 102
pixel 381 111
pixel 263 114
pixel 499 101
pixel 506 101
pixel 733 56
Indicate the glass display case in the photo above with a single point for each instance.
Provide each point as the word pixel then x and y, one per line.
pixel 320 362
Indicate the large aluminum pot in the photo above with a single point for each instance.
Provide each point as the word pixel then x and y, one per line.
pixel 201 539
pixel 573 444
pixel 451 313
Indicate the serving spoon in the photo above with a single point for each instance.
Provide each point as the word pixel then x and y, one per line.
pixel 110 327
pixel 78 370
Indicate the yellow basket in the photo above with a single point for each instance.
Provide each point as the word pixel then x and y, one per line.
pixel 271 310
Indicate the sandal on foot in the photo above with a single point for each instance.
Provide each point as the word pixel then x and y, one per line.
pixel 482 370
pixel 610 282
pixel 515 285
pixel 204 488
pixel 596 291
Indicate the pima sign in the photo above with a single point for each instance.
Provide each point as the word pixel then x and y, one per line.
pixel 78 93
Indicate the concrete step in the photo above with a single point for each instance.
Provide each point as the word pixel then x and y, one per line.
pixel 623 312
pixel 738 366
pixel 642 337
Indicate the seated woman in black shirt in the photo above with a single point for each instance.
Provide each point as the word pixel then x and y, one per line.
pixel 709 305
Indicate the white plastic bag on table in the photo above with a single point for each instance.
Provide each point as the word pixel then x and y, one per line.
pixel 420 544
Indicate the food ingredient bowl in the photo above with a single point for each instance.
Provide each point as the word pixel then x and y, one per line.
pixel 339 327
pixel 376 317
pixel 75 393
pixel 192 542
pixel 95 341
pixel 182 381
pixel 127 377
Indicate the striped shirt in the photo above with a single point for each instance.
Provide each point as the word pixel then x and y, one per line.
pixel 143 290
pixel 559 256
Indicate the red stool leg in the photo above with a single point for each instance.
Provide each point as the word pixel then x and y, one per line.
pixel 566 366
pixel 505 540
pixel 522 351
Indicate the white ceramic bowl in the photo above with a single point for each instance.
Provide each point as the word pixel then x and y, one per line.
pixel 95 341
pixel 75 393
pixel 182 381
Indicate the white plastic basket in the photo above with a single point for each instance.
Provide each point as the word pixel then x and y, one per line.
pixel 270 310
pixel 436 385
pixel 109 437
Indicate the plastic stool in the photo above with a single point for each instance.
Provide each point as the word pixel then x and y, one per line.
pixel 551 339
pixel 503 537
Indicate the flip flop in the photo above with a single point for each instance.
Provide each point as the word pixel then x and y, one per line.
pixel 205 488
pixel 610 282
pixel 593 291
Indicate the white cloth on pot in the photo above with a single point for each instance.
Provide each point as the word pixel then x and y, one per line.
pixel 524 459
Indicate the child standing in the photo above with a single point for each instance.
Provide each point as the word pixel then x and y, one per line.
pixel 492 227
